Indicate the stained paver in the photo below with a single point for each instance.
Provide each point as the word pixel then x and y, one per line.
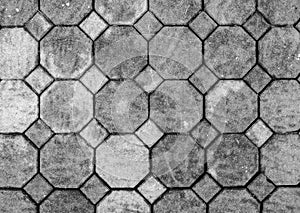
pixel 175 52
pixel 279 106
pixel 231 106
pixel 280 159
pixel 261 187
pixel 15 202
pixel 204 133
pixel 257 78
pixel 176 106
pixel 177 160
pixel 279 52
pixel 18 106
pixel 39 133
pixel 66 52
pixel 121 106
pixel 206 188
pixel 38 25
pixel 151 189
pixel 232 160
pixel 76 156
pixel 230 52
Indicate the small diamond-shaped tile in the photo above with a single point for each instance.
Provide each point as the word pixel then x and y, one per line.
pixel 203 25
pixel 259 133
pixel 39 79
pixel 148 25
pixel 148 79
pixel 39 133
pixel 204 133
pixel 151 189
pixel 206 188
pixel 38 188
pixel 257 78
pixel 38 26
pixel 256 25
pixel 149 133
pixel 261 187
pixel 94 189
pixel 94 133
pixel 94 79
pixel 203 79
pixel 93 25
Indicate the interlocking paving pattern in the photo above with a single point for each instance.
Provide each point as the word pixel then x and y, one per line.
pixel 150 106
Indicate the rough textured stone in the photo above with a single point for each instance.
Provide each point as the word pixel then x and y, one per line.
pixel 121 12
pixel 230 52
pixel 234 201
pixel 280 159
pixel 149 133
pixel 94 189
pixel 206 188
pixel 151 189
pixel 123 201
pixel 93 79
pixel 175 11
pixel 66 11
pixel 256 25
pixel 257 78
pixel 66 161
pixel 231 106
pixel 184 201
pixel 38 188
pixel 15 202
pixel 204 133
pixel 66 106
pixel 39 79
pixel 17 161
pixel 259 133
pixel 16 12
pixel 230 11
pixel 285 200
pixel 94 133
pixel 66 201
pixel 18 106
pixel 122 161
pixel 148 79
pixel 121 52
pixel 232 160
pixel 121 106
pixel 261 187
pixel 148 25
pixel 14 64
pixel 280 11
pixel 280 52
pixel 66 52
pixel 279 106
pixel 93 25
pixel 38 25
pixel 39 133
pixel 176 106
pixel 203 25
pixel 175 52
pixel 177 160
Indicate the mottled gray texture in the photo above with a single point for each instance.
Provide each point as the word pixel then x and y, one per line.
pixel 15 202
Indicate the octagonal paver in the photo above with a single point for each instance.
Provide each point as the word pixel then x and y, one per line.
pixel 232 159
pixel 230 11
pixel 231 106
pixel 66 161
pixel 14 42
pixel 230 52
pixel 121 52
pixel 66 106
pixel 66 11
pixel 122 161
pixel 18 161
pixel 66 201
pixel 234 201
pixel 283 200
pixel 18 106
pixel 123 201
pixel 16 12
pixel 280 11
pixel 14 201
pixel 121 12
pixel 177 160
pixel 281 159
pixel 66 52
pixel 121 106
pixel 279 106
pixel 280 52
pixel 176 106
pixel 184 201
pixel 175 11
pixel 175 52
